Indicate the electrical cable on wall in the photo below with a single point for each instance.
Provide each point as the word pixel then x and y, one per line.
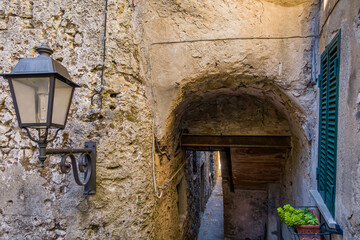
pixel 173 176
pixel 153 133
pixel 328 16
pixel 100 92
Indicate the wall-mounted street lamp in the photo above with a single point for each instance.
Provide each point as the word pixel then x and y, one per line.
pixel 42 91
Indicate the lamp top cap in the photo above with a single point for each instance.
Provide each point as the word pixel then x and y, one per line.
pixel 44 50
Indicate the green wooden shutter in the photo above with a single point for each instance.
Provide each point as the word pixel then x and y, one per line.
pixel 328 115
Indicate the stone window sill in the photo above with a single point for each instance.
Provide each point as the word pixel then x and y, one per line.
pixel 330 221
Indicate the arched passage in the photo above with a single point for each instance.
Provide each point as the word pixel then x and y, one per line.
pixel 253 138
pixel 235 106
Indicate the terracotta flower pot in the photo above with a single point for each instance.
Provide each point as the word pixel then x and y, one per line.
pixel 309 229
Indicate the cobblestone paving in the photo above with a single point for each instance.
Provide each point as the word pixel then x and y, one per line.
pixel 212 221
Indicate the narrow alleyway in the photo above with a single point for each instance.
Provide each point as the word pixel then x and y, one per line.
pixel 212 221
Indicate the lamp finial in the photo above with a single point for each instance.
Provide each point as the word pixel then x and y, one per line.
pixel 44 50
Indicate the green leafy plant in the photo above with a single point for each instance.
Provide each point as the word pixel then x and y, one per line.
pixel 295 217
pixel 139 201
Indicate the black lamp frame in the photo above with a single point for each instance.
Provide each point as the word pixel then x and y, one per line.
pixel 53 77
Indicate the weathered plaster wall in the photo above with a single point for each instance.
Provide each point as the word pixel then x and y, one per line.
pixel 40 203
pixel 184 72
pixel 179 68
pixel 346 16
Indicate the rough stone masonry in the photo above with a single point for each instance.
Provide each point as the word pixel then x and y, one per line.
pixel 174 54
pixel 40 203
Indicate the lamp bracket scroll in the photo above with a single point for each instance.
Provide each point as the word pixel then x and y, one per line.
pixel 86 163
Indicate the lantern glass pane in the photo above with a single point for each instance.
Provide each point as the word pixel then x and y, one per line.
pixel 32 97
pixel 62 99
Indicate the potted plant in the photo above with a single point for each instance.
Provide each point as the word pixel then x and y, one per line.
pixel 304 220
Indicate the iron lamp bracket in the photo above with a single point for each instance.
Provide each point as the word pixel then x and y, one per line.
pixel 86 162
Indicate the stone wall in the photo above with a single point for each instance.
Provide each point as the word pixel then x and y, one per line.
pixel 197 161
pixel 182 215
pixel 225 114
pixel 194 51
pixel 186 51
pixel 38 203
pixel 346 16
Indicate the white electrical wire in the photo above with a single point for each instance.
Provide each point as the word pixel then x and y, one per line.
pixel 153 132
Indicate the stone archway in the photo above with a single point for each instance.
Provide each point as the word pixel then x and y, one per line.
pixel 238 107
pixel 196 49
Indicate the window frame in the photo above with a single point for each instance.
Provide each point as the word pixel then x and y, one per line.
pixel 328 130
